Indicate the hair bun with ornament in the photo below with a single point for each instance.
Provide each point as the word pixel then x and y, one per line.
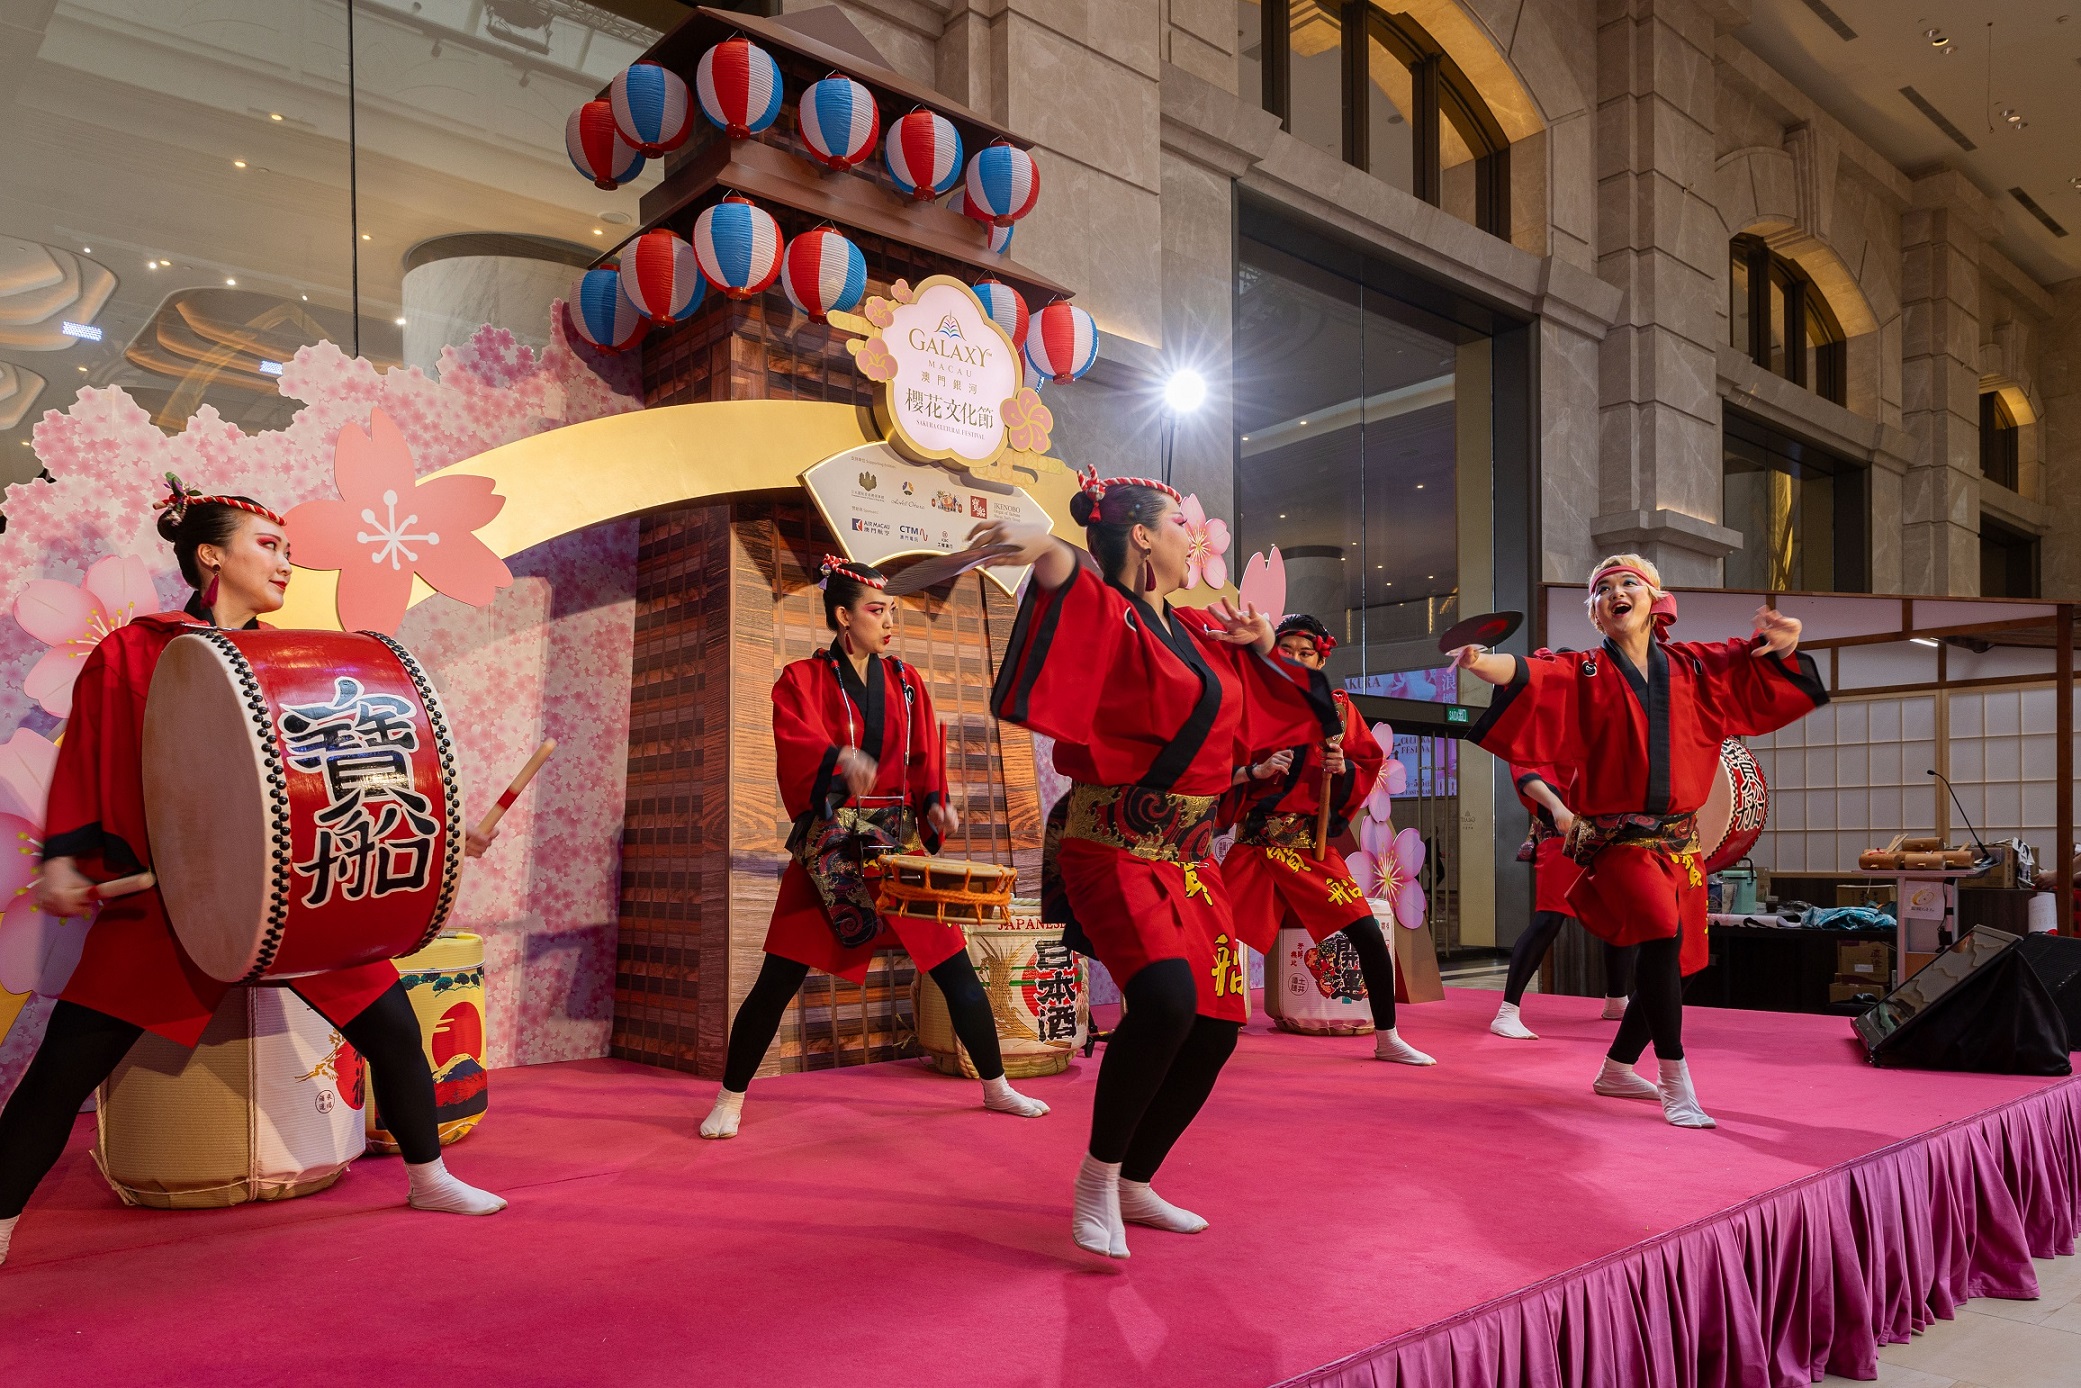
pixel 862 574
pixel 181 500
pixel 1086 507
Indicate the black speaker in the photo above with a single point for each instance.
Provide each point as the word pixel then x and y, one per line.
pixel 1980 1005
pixel 2057 961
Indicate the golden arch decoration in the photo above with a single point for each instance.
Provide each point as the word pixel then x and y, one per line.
pixel 580 475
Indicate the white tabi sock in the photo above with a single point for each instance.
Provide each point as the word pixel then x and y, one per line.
pixel 1508 1025
pixel 1141 1205
pixel 723 1118
pixel 1000 1097
pixel 1679 1102
pixel 1095 1222
pixel 6 1235
pixel 1388 1045
pixel 1614 1008
pixel 1616 1081
pixel 434 1189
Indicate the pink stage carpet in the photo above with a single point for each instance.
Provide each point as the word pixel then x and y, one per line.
pixel 1485 1222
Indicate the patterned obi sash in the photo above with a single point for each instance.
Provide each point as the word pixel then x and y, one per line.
pixel 1673 836
pixel 1159 825
pixel 1279 831
pixel 837 852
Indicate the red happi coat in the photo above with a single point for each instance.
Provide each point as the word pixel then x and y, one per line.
pixel 1270 885
pixel 133 967
pixel 819 707
pixel 1131 704
pixel 1644 743
pixel 1554 872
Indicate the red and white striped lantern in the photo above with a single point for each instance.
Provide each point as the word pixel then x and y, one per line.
pixel 662 277
pixel 824 273
pixel 596 147
pixel 923 152
pixel 739 86
pixel 1061 343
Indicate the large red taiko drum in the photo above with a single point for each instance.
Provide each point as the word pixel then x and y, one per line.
pixel 1732 817
pixel 301 793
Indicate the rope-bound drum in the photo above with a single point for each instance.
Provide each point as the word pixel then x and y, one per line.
pixel 333 830
pixel 946 890
pixel 1732 817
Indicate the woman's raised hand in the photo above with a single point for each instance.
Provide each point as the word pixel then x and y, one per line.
pixel 1780 633
pixel 1244 626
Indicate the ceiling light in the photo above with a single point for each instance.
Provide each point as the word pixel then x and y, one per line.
pixel 364 236
pixel 598 232
pixel 1936 37
pixel 229 280
pixel 274 115
pixel 1304 421
pixel 306 298
pixel 2077 184
pixel 1282 515
pixel 1923 641
pixel 1419 486
pixel 151 265
pixel 399 321
pixel 83 371
pixel 238 163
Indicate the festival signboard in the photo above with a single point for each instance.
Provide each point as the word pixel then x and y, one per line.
pixel 883 507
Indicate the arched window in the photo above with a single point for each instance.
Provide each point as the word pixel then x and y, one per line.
pixel 1371 86
pixel 1782 321
pixel 2000 455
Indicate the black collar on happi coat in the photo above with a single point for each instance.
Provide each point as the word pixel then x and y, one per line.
pixel 1185 743
pixel 865 694
pixel 1652 690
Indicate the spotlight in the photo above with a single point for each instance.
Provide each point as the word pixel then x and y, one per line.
pixel 1185 391
pixel 229 280
pixel 400 322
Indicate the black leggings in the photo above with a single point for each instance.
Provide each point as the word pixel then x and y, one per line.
pixel 1657 1010
pixel 82 1047
pixel 1160 1066
pixel 1377 968
pixel 1531 948
pixel 758 1016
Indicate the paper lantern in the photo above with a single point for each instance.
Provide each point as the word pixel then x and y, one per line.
pixel 923 152
pixel 1006 309
pixel 839 121
pixel 1061 343
pixel 1002 184
pixel 662 277
pixel 650 107
pixel 824 273
pixel 597 149
pixel 1000 237
pixel 602 314
pixel 738 244
pixel 739 86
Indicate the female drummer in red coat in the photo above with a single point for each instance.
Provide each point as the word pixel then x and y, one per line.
pixel 133 976
pixel 856 745
pixel 1272 871
pixel 1539 790
pixel 1638 723
pixel 1152 709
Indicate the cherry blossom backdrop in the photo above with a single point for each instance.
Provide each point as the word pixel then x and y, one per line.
pixel 547 657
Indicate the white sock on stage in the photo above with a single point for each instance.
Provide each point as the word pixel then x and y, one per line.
pixel 1507 1024
pixel 1095 1222
pixel 6 1235
pixel 1388 1045
pixel 1616 1081
pixel 1614 1008
pixel 1679 1101
pixel 1000 1097
pixel 434 1189
pixel 722 1120
pixel 1141 1205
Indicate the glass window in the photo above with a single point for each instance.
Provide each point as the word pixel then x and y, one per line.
pixel 1315 38
pixel 1780 318
pixel 1250 52
pixel 1802 513
pixel 1738 298
pixel 1390 134
pixel 2008 561
pixel 2000 440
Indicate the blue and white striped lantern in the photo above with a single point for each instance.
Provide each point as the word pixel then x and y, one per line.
pixel 738 244
pixel 1002 184
pixel 923 151
pixel 824 273
pixel 602 314
pixel 651 108
pixel 839 121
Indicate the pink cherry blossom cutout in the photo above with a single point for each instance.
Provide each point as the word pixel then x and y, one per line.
pixel 72 618
pixel 1206 541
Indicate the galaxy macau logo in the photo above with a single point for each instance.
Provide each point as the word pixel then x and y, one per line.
pixel 955 370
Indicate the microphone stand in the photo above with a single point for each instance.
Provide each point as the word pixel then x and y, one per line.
pixel 1978 842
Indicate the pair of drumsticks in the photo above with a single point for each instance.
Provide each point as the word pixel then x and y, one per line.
pixel 137 882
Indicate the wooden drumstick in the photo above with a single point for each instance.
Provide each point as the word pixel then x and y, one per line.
pixel 505 802
pixel 124 886
pixel 1322 811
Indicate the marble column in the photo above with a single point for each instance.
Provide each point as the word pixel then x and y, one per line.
pixel 1942 234
pixel 2060 382
pixel 457 284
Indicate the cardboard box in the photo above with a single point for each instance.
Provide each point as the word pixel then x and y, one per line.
pixel 1852 989
pixel 1873 961
pixel 1873 894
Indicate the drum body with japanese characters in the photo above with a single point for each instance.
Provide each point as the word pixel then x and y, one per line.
pixel 1315 989
pixel 1732 817
pixel 333 831
pixel 1036 987
pixel 445 982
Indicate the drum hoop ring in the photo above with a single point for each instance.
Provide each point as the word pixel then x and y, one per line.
pixel 451 791
pixel 277 797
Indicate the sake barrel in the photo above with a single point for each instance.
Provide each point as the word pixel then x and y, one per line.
pixel 1316 989
pixel 445 982
pixel 268 1106
pixel 1037 992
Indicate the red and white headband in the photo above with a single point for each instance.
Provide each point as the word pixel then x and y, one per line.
pixel 844 569
pixel 1095 486
pixel 179 498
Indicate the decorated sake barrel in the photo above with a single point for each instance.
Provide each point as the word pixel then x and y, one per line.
pixel 1316 989
pixel 1036 987
pixel 1735 810
pixel 268 1106
pixel 333 835
pixel 445 982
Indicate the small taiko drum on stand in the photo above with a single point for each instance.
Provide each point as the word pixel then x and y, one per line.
pixel 1732 817
pixel 332 834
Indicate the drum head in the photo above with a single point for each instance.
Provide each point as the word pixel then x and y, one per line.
pixel 1717 813
pixel 1741 803
pixel 206 812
